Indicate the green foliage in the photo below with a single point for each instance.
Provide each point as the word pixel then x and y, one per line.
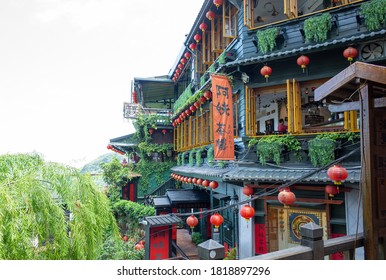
pixel 153 174
pixel 115 249
pixel 191 157
pixel 197 238
pixel 374 13
pixel 270 147
pixel 210 155
pixel 231 254
pixel 199 157
pixel 35 199
pixel 149 148
pixel 128 214
pixel 321 151
pixel 183 157
pixel 180 102
pixel 267 39
pixel 145 121
pixel 179 159
pixel 316 27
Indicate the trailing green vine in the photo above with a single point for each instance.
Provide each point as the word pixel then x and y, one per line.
pixel 316 27
pixel 267 39
pixel 199 156
pixel 374 13
pixel 210 155
pixel 191 157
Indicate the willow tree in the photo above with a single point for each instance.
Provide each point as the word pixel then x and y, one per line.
pixel 50 211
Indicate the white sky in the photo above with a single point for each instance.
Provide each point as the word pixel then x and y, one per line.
pixel 66 68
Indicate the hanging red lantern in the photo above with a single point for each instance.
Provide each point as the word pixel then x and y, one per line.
pixel 266 71
pixel 193 46
pixel 188 112
pixel 139 246
pixel 183 60
pixel 197 104
pixel 203 26
pixel 180 66
pixel 193 108
pixel 151 131
pixel 174 79
pixel 208 95
pixel 218 3
pixel 210 15
pixel 194 181
pixel 331 190
pixel 187 55
pixel 192 221
pixel 303 61
pixel 286 197
pixel 134 97
pixel 213 185
pixel 247 190
pixel 164 131
pixel 186 179
pixel 199 182
pixel 216 220
pixel 205 183
pixel 337 174
pixel 178 71
pixel 350 53
pixel 109 147
pixel 247 212
pixel 197 37
pixel 190 180
pixel 202 99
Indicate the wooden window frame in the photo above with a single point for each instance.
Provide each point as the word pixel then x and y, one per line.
pixel 229 16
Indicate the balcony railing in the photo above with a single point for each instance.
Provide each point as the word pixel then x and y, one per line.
pixel 133 110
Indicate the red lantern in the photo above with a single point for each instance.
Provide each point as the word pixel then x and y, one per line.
pixel 205 183
pixel 350 53
pixel 197 37
pixel 134 97
pixel 139 246
pixel 199 181
pixel 216 220
pixel 213 185
pixel 178 71
pixel 286 197
pixel 210 15
pixel 194 181
pixel 203 26
pixel 337 174
pixel 331 190
pixel 192 108
pixel 180 66
pixel 192 221
pixel 197 104
pixel 266 71
pixel 303 61
pixel 188 112
pixel 109 147
pixel 247 190
pixel 151 130
pixel 190 180
pixel 202 99
pixel 247 212
pixel 174 79
pixel 193 46
pixel 218 3
pixel 164 131
pixel 187 55
pixel 208 95
pixel 183 60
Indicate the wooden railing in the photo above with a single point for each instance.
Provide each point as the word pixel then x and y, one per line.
pixel 314 248
pixel 159 191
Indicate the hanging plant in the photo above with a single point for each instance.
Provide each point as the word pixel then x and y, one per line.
pixel 374 13
pixel 191 157
pixel 211 155
pixel 316 28
pixel 266 39
pixel 321 151
pixel 199 157
pixel 179 159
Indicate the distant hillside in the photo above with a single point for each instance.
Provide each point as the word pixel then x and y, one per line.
pixel 94 167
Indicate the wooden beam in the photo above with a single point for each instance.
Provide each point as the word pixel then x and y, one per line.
pixel 351 106
pixel 369 72
pixel 312 200
pixel 303 188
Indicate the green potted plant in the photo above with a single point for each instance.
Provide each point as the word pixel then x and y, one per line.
pixel 316 28
pixel 321 151
pixel 266 39
pixel 374 13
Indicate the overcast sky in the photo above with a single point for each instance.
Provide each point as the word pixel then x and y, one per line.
pixel 66 68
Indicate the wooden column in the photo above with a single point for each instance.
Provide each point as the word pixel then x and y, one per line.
pixel 374 177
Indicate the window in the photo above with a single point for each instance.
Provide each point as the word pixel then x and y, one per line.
pixel 235 103
pixel 229 20
pixel 258 13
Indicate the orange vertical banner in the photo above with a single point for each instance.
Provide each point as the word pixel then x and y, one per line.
pixel 224 148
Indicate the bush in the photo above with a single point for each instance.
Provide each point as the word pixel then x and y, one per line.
pixel 197 238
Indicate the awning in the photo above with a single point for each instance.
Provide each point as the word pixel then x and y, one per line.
pixel 209 173
pixel 162 220
pixel 284 175
pixel 183 199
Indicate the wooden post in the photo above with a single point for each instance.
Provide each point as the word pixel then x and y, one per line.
pixel 374 165
pixel 312 235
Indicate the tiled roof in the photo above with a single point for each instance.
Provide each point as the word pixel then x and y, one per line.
pixel 163 220
pixel 202 172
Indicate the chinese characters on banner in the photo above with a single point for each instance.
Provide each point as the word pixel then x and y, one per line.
pixel 222 118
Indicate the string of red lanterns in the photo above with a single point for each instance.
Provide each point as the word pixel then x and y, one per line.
pixel 216 220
